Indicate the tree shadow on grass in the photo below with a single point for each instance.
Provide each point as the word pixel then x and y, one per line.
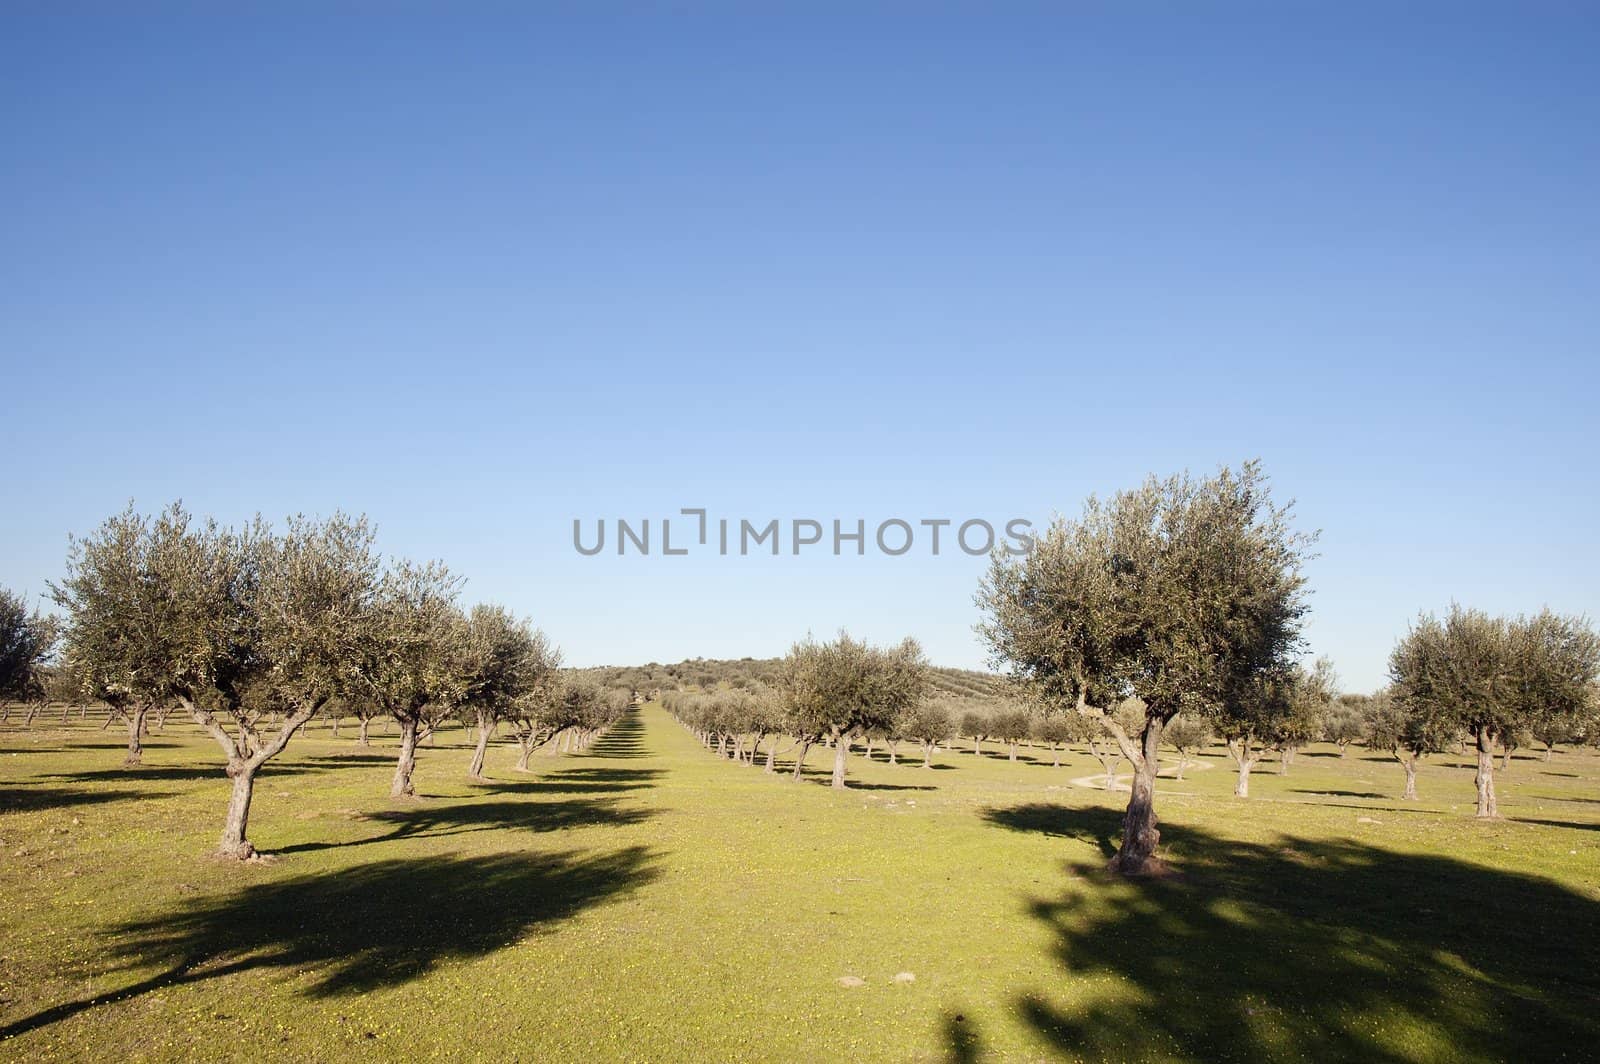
pixel 180 773
pixel 579 781
pixel 363 928
pixel 354 757
pixel 438 821
pixel 1313 949
pixel 25 798
pixel 1575 824
pixel 1336 794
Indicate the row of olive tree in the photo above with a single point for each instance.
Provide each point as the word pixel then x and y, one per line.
pixel 253 632
pixel 834 692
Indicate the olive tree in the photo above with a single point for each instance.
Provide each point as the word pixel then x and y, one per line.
pixel 1307 695
pixel 1187 735
pixel 115 635
pixel 508 661
pixel 416 659
pixel 1346 721
pixel 977 725
pixel 927 722
pixel 1175 593
pixel 538 715
pixel 1011 726
pixel 1493 676
pixel 228 624
pixel 1407 734
pixel 27 642
pixel 1057 730
pixel 836 689
pixel 1249 717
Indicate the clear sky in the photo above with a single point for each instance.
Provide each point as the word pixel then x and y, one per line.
pixel 479 270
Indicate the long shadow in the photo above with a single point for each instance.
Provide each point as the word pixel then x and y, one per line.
pixel 1336 794
pixel 362 928
pixel 1313 949
pixel 580 781
pixel 179 774
pixel 1578 824
pixel 467 817
pixel 29 799
pixel 354 757
pixel 888 786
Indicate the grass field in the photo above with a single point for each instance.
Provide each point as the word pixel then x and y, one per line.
pixel 647 901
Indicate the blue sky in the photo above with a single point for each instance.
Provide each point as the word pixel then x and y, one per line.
pixel 481 270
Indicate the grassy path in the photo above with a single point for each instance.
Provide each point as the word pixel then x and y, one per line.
pixel 646 900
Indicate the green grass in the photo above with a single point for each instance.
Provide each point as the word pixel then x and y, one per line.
pixel 646 901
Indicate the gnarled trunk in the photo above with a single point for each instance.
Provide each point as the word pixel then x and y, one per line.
pixel 1411 778
pixel 234 842
pixel 1485 777
pixel 525 746
pixel 361 738
pixel 927 755
pixel 1240 749
pixel 1013 756
pixel 407 761
pixel 485 729
pixel 135 734
pixel 841 752
pixel 800 758
pixel 772 755
pixel 1139 834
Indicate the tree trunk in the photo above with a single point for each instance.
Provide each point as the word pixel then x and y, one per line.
pixel 1057 750
pixel 1240 749
pixel 1548 750
pixel 135 733
pixel 977 745
pixel 336 725
pixel 1109 767
pixel 475 769
pixel 234 841
pixel 402 787
pixel 1182 764
pixel 1411 779
pixel 1013 751
pixel 841 751
pixel 800 758
pixel 1139 835
pixel 927 755
pixel 1485 778
pixel 894 751
pixel 772 755
pixel 361 739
